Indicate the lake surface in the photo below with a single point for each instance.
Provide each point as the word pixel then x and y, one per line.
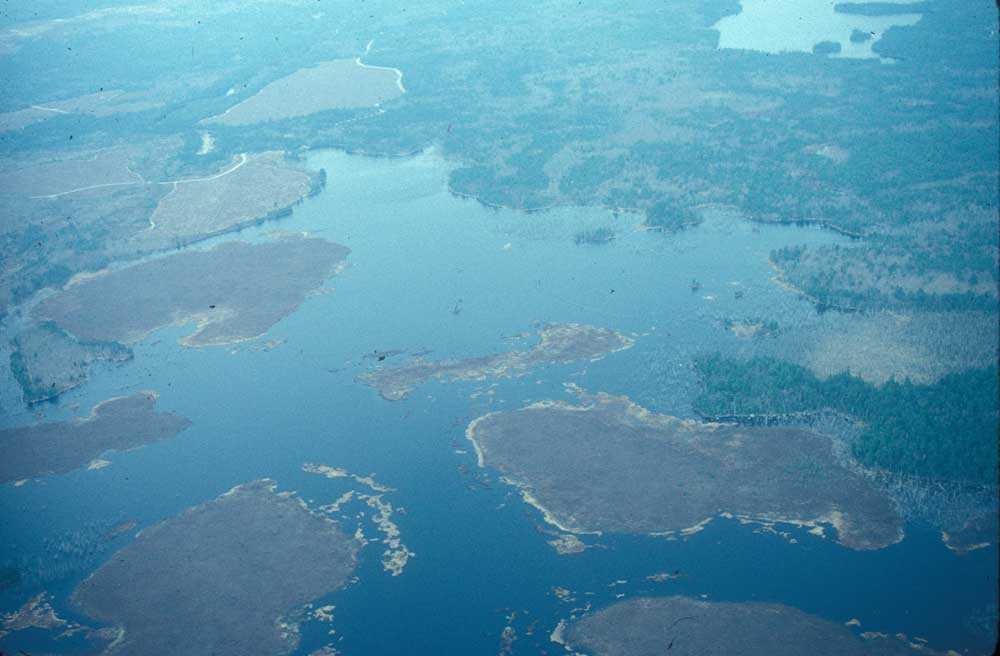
pixel 777 26
pixel 418 253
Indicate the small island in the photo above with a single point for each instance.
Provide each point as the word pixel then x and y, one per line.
pixel 971 534
pixel 118 424
pixel 36 613
pixel 396 554
pixel 751 328
pixel 229 577
pixel 685 626
pixel 558 343
pixel 233 292
pixel 609 465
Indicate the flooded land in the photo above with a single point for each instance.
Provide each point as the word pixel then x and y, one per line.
pixel 640 327
pixel 558 343
pixel 685 626
pixel 920 347
pixel 232 292
pixel 609 465
pixel 46 361
pixel 117 424
pixel 228 577
pixel 338 84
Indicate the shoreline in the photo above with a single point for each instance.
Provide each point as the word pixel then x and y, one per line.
pixel 526 494
pixel 470 431
pixel 547 515
pixel 780 281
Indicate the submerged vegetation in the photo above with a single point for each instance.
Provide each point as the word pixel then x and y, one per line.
pixel 946 430
pixel 595 236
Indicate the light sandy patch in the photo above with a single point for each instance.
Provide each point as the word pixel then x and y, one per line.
pixel 337 472
pixel 207 143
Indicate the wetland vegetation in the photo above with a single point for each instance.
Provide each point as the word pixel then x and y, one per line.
pixel 285 556
pixel 119 424
pixel 233 292
pixel 609 465
pixel 562 162
pixel 943 430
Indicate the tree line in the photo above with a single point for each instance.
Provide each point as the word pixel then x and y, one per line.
pixel 946 430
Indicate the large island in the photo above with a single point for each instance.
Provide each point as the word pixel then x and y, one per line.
pixel 684 626
pixel 609 465
pixel 233 292
pixel 229 577
pixel 118 424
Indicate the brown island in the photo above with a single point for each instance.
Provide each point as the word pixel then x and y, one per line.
pixel 558 343
pixel 118 424
pixel 684 626
pixel 609 465
pixel 229 577
pixel 233 292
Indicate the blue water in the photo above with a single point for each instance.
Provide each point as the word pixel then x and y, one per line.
pixel 416 252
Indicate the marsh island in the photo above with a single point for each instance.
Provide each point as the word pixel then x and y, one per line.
pixel 119 424
pixel 558 343
pixel 649 626
pixel 223 578
pixel 609 465
pixel 234 291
